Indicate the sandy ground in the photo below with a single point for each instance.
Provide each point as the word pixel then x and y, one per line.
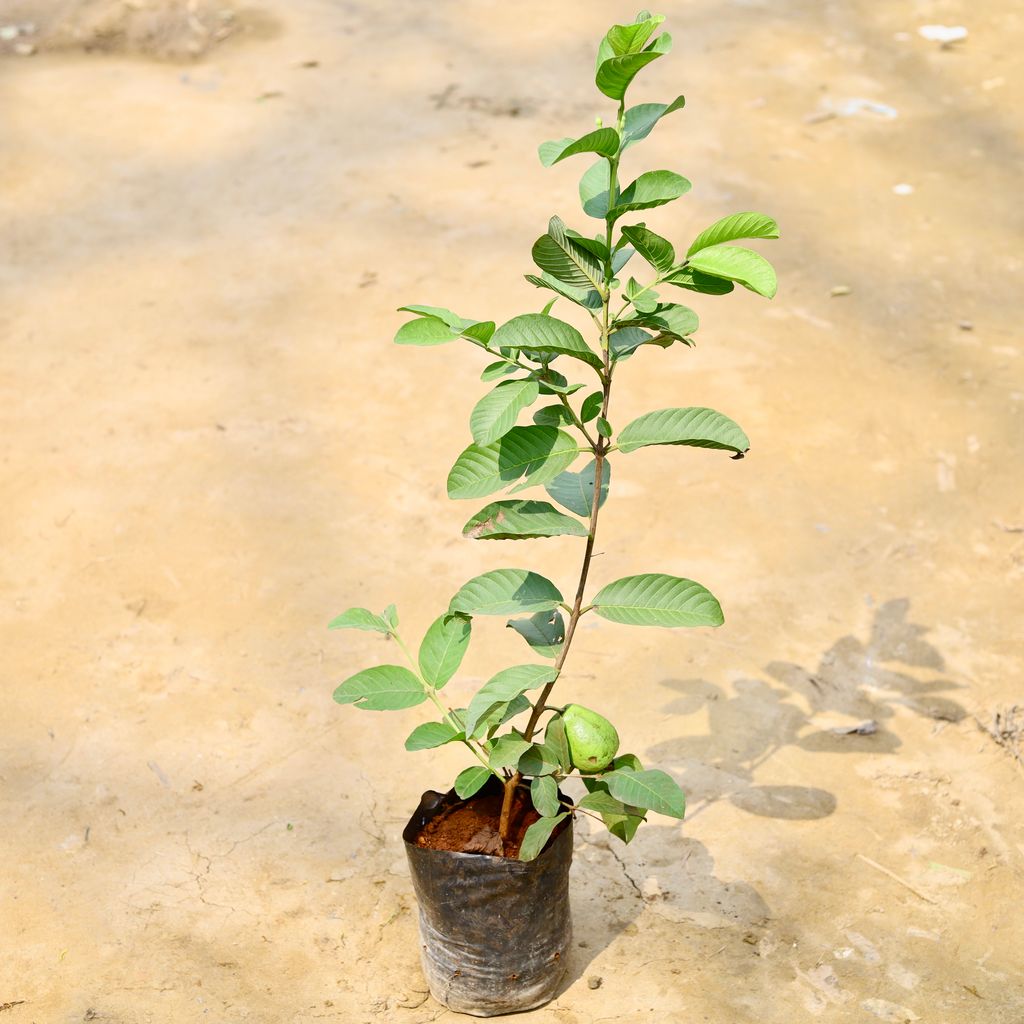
pixel 209 447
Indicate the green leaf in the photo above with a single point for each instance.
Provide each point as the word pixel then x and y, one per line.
pixel 383 688
pixel 553 383
pixel 453 320
pixel 471 781
pixel 643 297
pixel 360 618
pixel 594 187
pixel 501 713
pixel 604 428
pixel 443 648
pixel 696 427
pixel 543 338
pixel 557 461
pixel 553 416
pixel 506 751
pixel 624 342
pixel 483 469
pixel 492 371
pixel 563 258
pixel 627 761
pixel 390 617
pixel 427 330
pixel 654 599
pixel 652 188
pixel 544 794
pixel 631 38
pixel 604 141
pixel 734 263
pixel 656 250
pixel 668 318
pixel 537 836
pixel 543 631
pixel 555 740
pixel 615 74
pixel 502 688
pixel 588 298
pixel 695 281
pixel 496 413
pixel 432 734
pixel 641 119
pixel 540 759
pixel 621 820
pixel 651 789
pixel 738 225
pixel 575 491
pixel 506 592
pixel 519 520
pixel 591 406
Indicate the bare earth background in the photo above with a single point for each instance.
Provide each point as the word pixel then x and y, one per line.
pixel 209 447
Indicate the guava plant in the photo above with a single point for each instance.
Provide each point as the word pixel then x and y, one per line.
pixel 511 727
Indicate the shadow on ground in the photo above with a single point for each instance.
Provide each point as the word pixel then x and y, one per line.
pixel 866 681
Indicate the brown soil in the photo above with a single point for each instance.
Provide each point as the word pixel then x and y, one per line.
pixel 472 827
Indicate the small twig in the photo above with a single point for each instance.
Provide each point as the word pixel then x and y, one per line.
pixel 896 878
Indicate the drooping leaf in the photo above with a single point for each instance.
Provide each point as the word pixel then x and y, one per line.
pixel 624 342
pixel 496 413
pixel 615 74
pixel 588 298
pixel 738 225
pixel 519 520
pixel 620 819
pixel 443 648
pixel 544 338
pixel 594 188
pixel 652 188
pixel 483 469
pixel 695 281
pixel 641 119
pixel 540 759
pixel 544 795
pixel 502 368
pixel 471 780
pixel 501 713
pixel 382 688
pixel 734 263
pixel 697 427
pixel 591 406
pixel 432 734
pixel 503 687
pixel 563 258
pixel 543 631
pixel 654 599
pixel 667 318
pixel 604 141
pixel 360 618
pixel 506 592
pixel 656 250
pixel 555 739
pixel 553 416
pixel 537 836
pixel 428 330
pixel 506 751
pixel 575 491
pixel 653 790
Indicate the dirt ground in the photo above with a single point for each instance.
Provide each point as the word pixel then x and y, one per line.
pixel 209 447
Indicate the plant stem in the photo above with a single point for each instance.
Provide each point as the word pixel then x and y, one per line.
pixel 600 449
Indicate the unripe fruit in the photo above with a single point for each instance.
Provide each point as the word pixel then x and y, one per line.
pixel 593 741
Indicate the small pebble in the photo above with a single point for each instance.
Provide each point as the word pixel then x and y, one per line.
pixel 903 189
pixel 839 289
pixel 966 325
pixel 594 981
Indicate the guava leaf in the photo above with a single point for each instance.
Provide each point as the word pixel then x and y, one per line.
pixel 537 836
pixel 382 688
pixel 654 599
pixel 432 734
pixel 737 225
pixel 519 520
pixel 733 262
pixel 496 413
pixel 544 794
pixel 652 789
pixel 543 631
pixel 443 648
pixel 696 427
pixel 575 491
pixel 471 780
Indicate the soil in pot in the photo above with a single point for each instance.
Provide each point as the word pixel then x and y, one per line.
pixel 472 826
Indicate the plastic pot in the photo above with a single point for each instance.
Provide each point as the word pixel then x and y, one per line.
pixel 494 932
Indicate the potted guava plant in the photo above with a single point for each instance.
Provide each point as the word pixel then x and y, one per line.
pixel 489 858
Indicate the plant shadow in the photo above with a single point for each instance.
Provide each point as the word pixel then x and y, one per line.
pixel 864 680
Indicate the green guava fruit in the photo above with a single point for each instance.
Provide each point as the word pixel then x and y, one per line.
pixel 593 741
